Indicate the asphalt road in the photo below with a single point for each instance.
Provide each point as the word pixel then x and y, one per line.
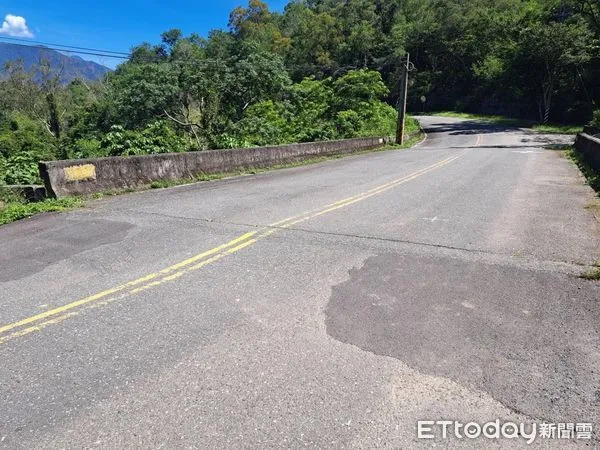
pixel 332 305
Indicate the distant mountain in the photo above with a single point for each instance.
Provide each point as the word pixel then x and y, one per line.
pixel 69 67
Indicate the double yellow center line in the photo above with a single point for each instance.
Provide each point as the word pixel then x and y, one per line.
pixel 40 321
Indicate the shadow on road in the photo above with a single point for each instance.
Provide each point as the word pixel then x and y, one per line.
pixel 470 127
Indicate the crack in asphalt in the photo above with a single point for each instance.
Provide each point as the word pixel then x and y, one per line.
pixel 567 267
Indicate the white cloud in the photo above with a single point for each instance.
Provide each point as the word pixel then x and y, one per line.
pixel 15 26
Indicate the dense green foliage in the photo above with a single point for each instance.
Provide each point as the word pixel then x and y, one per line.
pixel 595 119
pixel 323 69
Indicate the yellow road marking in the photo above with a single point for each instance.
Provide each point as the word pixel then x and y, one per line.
pixel 41 325
pixel 108 292
pixel 38 327
pixel 176 271
pixel 358 197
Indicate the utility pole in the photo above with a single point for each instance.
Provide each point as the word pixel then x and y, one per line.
pixel 402 101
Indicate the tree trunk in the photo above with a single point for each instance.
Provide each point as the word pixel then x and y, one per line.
pixel 53 110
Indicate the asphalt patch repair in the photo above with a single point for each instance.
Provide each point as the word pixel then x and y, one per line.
pixel 62 242
pixel 481 326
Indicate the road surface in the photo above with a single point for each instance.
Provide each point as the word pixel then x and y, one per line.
pixel 332 305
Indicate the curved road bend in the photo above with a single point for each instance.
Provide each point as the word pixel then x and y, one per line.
pixel 331 305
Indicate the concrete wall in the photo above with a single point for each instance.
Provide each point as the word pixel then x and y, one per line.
pixel 589 147
pixel 87 176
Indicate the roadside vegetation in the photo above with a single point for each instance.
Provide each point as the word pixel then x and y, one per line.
pixel 593 274
pixel 595 122
pixel 16 210
pixel 550 128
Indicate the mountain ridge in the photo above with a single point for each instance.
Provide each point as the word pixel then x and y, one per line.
pixel 67 67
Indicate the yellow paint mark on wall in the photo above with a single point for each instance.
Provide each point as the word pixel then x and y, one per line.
pixel 80 173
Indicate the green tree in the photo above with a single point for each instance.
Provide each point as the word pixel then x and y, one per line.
pixel 141 92
pixel 258 25
pixel 312 110
pixel 547 52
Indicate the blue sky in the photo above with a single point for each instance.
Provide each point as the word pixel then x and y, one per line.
pixel 117 25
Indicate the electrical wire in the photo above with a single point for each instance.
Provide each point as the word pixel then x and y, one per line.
pixel 69 48
pixel 63 45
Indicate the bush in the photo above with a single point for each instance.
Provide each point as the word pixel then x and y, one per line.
pixel 348 124
pixel 226 140
pixel 595 122
pixel 379 119
pixel 158 137
pixel 86 148
pixel 17 211
pixel 359 87
pixel 22 168
pixel 411 125
pixel 264 124
pixel 373 118
pixel 3 169
pixel 22 134
pixel 316 110
pixel 310 110
pixel 23 142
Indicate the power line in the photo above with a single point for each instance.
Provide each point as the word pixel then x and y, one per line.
pixel 66 46
pixel 77 52
pixel 70 48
